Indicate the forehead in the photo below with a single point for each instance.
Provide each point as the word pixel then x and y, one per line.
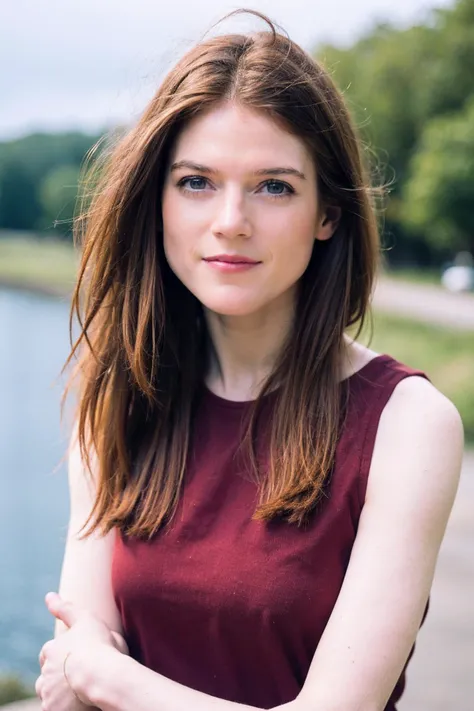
pixel 233 135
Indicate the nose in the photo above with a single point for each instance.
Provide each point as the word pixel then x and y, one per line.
pixel 231 219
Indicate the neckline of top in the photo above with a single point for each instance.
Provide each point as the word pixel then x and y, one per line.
pixel 240 404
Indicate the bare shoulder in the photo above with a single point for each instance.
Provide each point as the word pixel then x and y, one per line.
pixel 420 440
pixel 417 403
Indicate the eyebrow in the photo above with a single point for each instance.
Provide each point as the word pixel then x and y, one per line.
pixel 280 170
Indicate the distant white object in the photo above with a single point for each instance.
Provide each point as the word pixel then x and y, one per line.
pixel 458 278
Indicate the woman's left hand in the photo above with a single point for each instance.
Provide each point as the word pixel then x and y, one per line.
pixel 69 661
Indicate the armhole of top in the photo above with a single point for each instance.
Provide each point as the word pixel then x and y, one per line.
pixel 381 399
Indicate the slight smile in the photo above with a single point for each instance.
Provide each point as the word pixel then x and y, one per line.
pixel 231 262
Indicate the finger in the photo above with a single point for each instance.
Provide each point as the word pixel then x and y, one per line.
pixel 62 609
pixel 44 652
pixel 39 686
pixel 120 643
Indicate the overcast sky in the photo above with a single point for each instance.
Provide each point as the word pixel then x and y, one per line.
pixel 90 63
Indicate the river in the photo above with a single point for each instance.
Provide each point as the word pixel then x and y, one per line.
pixel 34 503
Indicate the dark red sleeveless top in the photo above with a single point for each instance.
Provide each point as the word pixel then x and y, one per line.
pixel 232 607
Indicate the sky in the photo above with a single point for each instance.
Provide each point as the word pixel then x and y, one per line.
pixel 90 64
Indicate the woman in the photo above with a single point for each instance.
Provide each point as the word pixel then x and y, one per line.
pixel 266 497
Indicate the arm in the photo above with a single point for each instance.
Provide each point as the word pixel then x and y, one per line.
pixel 85 576
pixel 85 582
pixel 413 480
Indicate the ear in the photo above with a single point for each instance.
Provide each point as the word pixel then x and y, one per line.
pixel 328 222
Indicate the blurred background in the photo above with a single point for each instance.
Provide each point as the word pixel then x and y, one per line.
pixel 72 72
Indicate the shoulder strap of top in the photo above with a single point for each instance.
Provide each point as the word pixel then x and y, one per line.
pixel 372 391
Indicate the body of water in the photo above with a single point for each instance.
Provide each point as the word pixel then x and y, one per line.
pixel 34 504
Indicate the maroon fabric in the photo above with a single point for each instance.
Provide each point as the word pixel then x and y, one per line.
pixel 232 607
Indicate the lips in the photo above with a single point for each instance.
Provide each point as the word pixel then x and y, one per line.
pixel 231 259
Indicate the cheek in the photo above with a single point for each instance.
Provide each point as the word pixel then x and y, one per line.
pixel 175 237
pixel 293 261
pixel 292 251
pixel 175 253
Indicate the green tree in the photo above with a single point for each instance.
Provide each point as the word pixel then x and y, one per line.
pixel 24 165
pixel 397 82
pixel 19 206
pixel 380 78
pixel 446 82
pixel 58 193
pixel 439 196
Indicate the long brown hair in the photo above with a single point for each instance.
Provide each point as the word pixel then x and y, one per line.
pixel 142 342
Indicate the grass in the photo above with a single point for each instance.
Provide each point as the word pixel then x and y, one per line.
pixel 418 276
pixel 446 356
pixel 12 688
pixel 40 263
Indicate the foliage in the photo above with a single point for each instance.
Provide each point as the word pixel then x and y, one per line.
pixel 439 195
pixel 410 92
pixel 31 172
pixel 12 688
pixel 58 192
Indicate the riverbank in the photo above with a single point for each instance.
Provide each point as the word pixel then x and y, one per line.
pixel 37 264
pixel 33 287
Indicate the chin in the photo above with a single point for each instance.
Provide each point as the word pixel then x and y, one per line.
pixel 229 310
pixel 231 306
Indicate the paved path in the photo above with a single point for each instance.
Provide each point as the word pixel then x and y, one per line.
pixel 441 673
pixel 425 303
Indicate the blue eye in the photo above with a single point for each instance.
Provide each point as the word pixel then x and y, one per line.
pixel 193 184
pixel 197 184
pixel 282 189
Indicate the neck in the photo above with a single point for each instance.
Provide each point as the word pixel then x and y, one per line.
pixel 244 349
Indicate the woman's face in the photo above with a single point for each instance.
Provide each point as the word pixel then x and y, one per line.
pixel 240 210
